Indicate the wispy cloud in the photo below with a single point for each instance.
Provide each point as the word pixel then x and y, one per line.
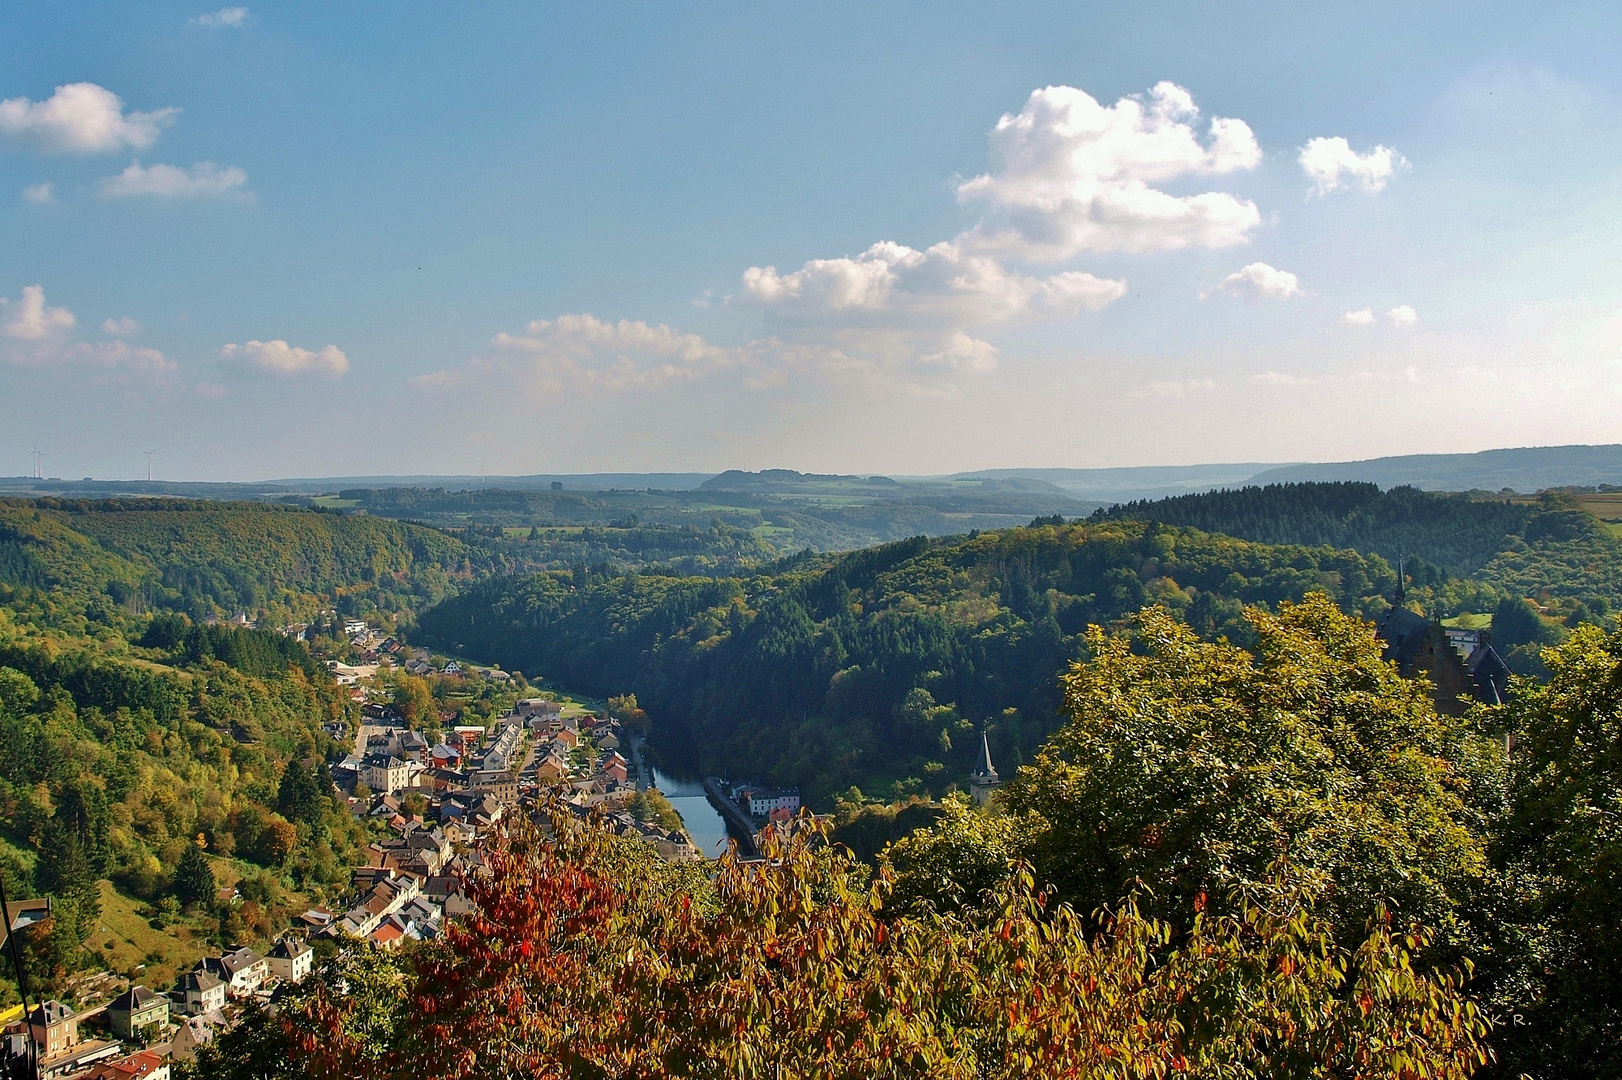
pixel 1177 388
pixel 280 358
pixel 82 118
pixel 583 354
pixel 40 193
pixel 1400 316
pixel 226 18
pixel 203 180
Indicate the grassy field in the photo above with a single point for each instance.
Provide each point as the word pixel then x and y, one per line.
pixel 1607 506
pixel 154 958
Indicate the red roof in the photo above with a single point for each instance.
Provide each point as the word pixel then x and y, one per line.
pixel 387 933
pixel 133 1067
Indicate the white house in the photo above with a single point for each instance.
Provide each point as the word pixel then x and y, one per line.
pixel 241 970
pixel 290 960
pixel 385 774
pixel 203 993
pixel 762 803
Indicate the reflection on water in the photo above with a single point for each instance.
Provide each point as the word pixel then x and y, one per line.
pixel 706 826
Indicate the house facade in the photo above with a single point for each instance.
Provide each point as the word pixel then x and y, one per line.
pixel 55 1028
pixel 201 992
pixel 135 1010
pixel 241 970
pixel 290 960
pixel 385 773
pixel 763 803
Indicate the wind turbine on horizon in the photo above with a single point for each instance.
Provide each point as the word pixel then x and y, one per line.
pixel 39 460
pixel 149 454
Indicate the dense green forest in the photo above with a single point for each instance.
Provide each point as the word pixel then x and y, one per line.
pixel 878 667
pixel 121 760
pixel 135 736
pixel 1539 566
pixel 1457 533
pixel 96 558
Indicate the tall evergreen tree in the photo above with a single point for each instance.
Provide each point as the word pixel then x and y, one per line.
pixel 194 879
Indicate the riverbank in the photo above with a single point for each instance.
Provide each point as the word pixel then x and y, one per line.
pixel 738 823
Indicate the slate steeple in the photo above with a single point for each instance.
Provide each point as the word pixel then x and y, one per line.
pixel 984 779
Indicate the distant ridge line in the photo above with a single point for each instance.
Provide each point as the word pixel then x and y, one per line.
pixel 1522 469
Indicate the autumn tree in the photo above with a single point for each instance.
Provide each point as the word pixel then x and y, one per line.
pixel 1558 963
pixel 589 957
pixel 1194 766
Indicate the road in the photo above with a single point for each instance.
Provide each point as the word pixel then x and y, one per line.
pixel 742 829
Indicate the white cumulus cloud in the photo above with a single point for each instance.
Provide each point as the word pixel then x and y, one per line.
pixel 944 283
pixel 280 358
pixel 1402 315
pixel 1332 164
pixel 125 327
pixel 30 318
pixel 1068 175
pixel 40 193
pixel 226 17
pixel 203 180
pixel 1258 281
pixel 1071 175
pixel 42 339
pixel 1360 317
pixel 82 118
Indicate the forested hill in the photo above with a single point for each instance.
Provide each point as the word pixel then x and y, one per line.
pixel 878 667
pixel 1456 533
pixel 135 732
pixel 205 558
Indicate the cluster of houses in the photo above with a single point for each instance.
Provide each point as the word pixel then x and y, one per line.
pixel 137 1034
pixel 464 785
pixel 411 883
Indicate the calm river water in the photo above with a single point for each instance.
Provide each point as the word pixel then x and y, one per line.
pixel 706 826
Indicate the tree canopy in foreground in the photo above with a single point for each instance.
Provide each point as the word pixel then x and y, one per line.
pixel 590 959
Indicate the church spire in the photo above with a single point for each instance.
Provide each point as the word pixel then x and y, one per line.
pixel 983 768
pixel 983 781
pixel 1402 587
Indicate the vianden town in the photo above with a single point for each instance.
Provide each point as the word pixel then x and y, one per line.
pixel 908 541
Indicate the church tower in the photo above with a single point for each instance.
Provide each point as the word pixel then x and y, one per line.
pixel 983 781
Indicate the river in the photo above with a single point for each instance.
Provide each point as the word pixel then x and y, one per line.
pixel 704 823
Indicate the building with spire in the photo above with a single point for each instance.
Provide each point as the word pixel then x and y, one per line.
pixel 984 781
pixel 1462 667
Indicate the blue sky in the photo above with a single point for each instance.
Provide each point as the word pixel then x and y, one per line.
pixel 316 240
